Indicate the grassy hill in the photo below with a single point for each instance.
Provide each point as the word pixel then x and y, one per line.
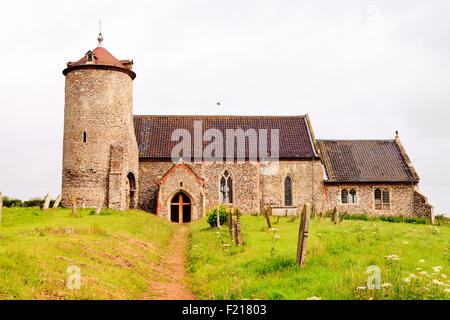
pixel 115 251
pixel 336 263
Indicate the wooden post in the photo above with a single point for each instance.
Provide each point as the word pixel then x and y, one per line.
pixel 303 235
pixel 266 214
pixel 57 201
pixel 46 202
pixel 74 206
pixel 218 217
pixel 239 240
pixel 1 207
pixel 230 222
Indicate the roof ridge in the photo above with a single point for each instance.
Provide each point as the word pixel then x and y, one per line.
pixel 216 116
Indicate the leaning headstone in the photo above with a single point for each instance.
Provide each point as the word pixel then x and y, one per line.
pixel 74 207
pixel 303 233
pixel 99 207
pixel 46 201
pixel 1 207
pixel 57 201
pixel 343 216
pixel 334 216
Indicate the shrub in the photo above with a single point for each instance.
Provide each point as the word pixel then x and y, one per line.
pixel 10 203
pixel 212 215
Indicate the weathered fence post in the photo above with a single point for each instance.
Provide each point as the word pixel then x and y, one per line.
pixel 266 214
pixel 99 207
pixel 218 217
pixel 1 207
pixel 57 201
pixel 334 216
pixel 230 222
pixel 74 206
pixel 46 202
pixel 303 235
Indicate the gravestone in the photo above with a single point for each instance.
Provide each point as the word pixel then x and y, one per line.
pixel 46 202
pixel 99 207
pixel 334 216
pixel 303 233
pixel 266 214
pixel 343 216
pixel 57 201
pixel 74 206
pixel 230 222
pixel 218 218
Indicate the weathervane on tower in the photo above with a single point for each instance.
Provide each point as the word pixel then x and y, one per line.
pixel 100 36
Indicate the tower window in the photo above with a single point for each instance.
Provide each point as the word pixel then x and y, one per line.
pixel 84 137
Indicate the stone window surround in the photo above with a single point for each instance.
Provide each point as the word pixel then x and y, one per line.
pixel 348 195
pixel 233 181
pixel 382 188
pixel 292 190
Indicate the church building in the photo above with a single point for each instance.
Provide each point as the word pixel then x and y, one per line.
pixel 115 159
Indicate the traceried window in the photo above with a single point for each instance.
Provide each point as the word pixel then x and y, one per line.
pixel 226 188
pixel 288 191
pixel 382 199
pixel 344 196
pixel 352 196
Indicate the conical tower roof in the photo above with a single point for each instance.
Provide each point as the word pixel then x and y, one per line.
pixel 100 58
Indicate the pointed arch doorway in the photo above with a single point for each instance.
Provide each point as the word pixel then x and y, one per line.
pixel 180 208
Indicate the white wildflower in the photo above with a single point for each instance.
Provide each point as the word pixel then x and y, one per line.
pixel 413 276
pixel 273 229
pixel 435 281
pixel 437 269
pixel 405 242
pixel 419 269
pixel 407 280
pixel 423 273
pixel 386 285
pixel 421 261
pixel 361 288
pixel 447 290
pixel 226 244
pixel 314 298
pixel 276 236
pixel 444 276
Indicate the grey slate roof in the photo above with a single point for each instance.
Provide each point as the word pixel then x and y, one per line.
pixel 364 161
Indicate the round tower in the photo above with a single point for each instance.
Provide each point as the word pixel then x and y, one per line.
pixel 100 152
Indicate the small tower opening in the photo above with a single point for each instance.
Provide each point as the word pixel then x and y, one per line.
pixel 84 136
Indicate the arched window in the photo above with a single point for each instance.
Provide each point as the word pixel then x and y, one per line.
pixel 226 188
pixel 386 199
pixel 288 191
pixel 378 202
pixel 344 196
pixel 352 196
pixel 382 199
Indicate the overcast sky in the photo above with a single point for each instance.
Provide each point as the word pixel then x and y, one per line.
pixel 360 69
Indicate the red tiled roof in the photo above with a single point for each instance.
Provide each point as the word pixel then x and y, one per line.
pixel 102 60
pixel 102 57
pixel 153 133
pixel 364 161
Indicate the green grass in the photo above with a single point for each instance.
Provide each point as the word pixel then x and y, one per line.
pixel 336 262
pixel 115 251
